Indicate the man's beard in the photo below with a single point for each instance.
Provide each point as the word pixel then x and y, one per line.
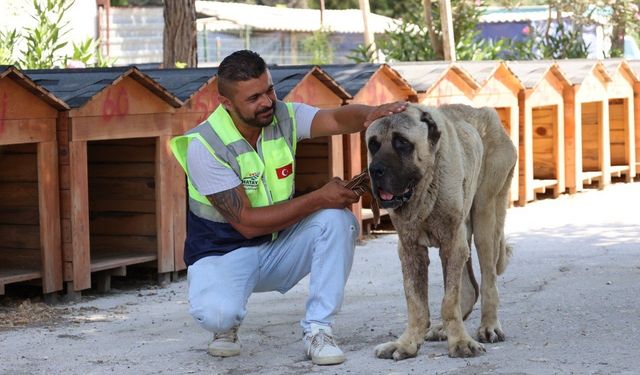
pixel 254 122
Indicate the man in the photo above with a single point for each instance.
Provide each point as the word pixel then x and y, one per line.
pixel 245 231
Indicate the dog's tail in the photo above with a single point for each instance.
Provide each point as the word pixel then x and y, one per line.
pixel 503 256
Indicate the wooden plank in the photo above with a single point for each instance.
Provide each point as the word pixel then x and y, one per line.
pixel 164 203
pixel 336 159
pixel 619 170
pixel 113 224
pixel 306 183
pixel 19 215
pixel 312 91
pixel 312 166
pixel 544 183
pixel 49 217
pixel 353 166
pixel 27 131
pixel 101 243
pixel 17 103
pixel 524 172
pixel 18 265
pixel 18 194
pixel 79 187
pixel 312 150
pixel 146 170
pixel 180 207
pixel 132 126
pixel 20 236
pixel 121 205
pixel 123 189
pixel 125 98
pixel 103 260
pixel 18 167
pixel 103 152
pixel 17 149
pixel 619 154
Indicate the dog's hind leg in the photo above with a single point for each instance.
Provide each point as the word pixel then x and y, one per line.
pixel 469 293
pixel 488 216
pixel 415 262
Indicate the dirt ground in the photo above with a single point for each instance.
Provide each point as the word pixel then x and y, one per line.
pixel 569 305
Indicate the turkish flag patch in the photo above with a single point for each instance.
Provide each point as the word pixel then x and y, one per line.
pixel 284 172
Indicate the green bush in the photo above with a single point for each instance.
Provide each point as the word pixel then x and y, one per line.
pixel 43 45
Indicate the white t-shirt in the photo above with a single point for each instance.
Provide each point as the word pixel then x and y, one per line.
pixel 209 176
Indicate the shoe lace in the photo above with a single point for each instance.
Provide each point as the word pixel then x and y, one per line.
pixel 231 335
pixel 319 340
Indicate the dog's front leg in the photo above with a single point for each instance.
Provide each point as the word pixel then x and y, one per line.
pixel 415 262
pixel 454 255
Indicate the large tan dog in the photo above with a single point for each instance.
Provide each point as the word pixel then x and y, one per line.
pixel 444 174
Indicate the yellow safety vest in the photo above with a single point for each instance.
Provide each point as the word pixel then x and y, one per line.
pixel 267 173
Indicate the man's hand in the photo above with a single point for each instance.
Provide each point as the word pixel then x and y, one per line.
pixel 334 194
pixel 385 110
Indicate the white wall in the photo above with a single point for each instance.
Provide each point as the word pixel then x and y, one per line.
pixel 82 18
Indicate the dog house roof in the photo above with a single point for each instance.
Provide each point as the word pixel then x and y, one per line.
pixel 423 75
pixel 286 78
pixel 33 87
pixel 77 86
pixel 183 83
pixel 530 73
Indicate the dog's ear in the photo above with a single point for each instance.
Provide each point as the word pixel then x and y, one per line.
pixel 434 133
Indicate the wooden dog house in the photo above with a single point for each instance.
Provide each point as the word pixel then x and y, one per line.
pixel 499 89
pixel 586 124
pixel 541 152
pixel 29 207
pixel 370 84
pixel 197 88
pixel 115 172
pixel 635 66
pixel 621 119
pixel 438 83
pixel 321 158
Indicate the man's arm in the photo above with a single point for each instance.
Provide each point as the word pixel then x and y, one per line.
pixel 351 118
pixel 235 207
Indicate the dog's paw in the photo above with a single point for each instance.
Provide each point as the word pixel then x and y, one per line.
pixel 436 333
pixel 465 348
pixel 396 351
pixel 491 333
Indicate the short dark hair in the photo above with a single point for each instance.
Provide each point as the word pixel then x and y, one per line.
pixel 241 65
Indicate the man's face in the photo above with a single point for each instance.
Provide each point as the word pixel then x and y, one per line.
pixel 253 101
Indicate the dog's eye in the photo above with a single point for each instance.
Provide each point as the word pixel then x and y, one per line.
pixel 402 145
pixel 373 145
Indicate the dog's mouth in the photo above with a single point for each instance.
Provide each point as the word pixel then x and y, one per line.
pixel 390 200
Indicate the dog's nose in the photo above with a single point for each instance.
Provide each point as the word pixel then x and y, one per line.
pixel 377 169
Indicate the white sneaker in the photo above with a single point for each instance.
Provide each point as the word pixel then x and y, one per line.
pixel 225 344
pixel 321 347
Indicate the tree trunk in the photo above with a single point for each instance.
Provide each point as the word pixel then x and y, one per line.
pixel 179 42
pixel 436 43
pixel 448 41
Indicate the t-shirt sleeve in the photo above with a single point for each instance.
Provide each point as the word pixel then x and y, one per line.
pixel 304 116
pixel 207 174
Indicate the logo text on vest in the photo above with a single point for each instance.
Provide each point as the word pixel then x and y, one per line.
pixel 284 172
pixel 251 181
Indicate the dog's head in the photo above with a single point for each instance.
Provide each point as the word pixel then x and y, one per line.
pixel 401 152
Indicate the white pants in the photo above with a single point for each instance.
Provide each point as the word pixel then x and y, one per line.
pixel 321 244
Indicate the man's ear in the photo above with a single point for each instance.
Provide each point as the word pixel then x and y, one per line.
pixel 226 103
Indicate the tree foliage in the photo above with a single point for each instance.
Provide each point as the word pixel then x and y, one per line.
pixel 319 47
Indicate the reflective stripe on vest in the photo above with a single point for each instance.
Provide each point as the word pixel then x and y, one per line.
pixel 267 173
